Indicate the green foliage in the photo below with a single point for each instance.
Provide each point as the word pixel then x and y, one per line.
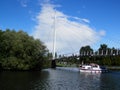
pixel 86 50
pixel 107 56
pixel 103 56
pixel 19 51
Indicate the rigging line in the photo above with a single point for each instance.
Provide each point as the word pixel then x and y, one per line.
pixel 78 38
pixel 68 44
pixel 93 41
pixel 76 32
pixel 88 38
pixel 73 50
pixel 77 25
pixel 80 26
pixel 61 31
pixel 113 42
pixel 88 31
pixel 73 37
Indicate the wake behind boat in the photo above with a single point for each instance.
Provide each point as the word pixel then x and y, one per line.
pixel 93 68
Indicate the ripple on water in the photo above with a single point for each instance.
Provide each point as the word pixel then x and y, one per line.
pixel 68 80
pixel 55 79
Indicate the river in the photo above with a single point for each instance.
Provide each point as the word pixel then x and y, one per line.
pixel 59 79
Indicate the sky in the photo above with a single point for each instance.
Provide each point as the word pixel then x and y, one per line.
pixel 76 23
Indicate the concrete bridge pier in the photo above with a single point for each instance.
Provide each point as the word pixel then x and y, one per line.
pixel 53 64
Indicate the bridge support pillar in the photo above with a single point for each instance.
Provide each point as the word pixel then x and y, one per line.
pixel 53 64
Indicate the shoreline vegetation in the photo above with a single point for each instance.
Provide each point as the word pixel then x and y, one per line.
pixel 113 67
pixel 76 65
pixel 21 52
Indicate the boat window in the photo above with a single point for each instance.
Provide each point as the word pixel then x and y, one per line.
pixel 102 67
pixel 80 66
pixel 95 66
pixel 89 68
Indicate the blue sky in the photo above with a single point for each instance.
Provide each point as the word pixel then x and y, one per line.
pixel 78 22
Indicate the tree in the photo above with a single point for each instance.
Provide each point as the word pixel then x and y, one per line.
pixel 86 50
pixel 20 51
pixel 102 50
pixel 85 53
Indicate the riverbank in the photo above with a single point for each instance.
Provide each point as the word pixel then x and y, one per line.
pixel 113 67
pixel 75 65
pixel 66 65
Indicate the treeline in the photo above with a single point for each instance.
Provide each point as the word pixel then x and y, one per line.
pixel 19 51
pixel 103 56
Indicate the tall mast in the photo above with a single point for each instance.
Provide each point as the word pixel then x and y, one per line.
pixel 54 36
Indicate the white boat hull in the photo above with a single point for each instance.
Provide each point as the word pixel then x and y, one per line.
pixel 92 68
pixel 93 71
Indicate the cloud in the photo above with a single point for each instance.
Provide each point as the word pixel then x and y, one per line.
pixel 23 2
pixel 86 20
pixel 80 19
pixel 102 33
pixel 70 33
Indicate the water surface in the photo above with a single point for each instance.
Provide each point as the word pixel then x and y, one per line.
pixel 57 79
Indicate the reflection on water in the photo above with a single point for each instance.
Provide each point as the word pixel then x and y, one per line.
pixel 110 81
pixel 89 81
pixel 18 80
pixel 51 79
